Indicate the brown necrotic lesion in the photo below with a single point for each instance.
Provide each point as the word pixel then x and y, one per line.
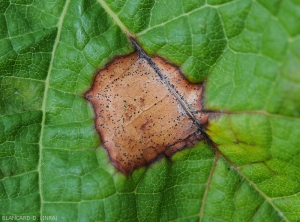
pixel 139 116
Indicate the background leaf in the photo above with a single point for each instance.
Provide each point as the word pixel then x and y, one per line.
pixel 245 51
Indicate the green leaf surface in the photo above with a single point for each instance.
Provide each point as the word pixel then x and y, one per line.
pixel 247 53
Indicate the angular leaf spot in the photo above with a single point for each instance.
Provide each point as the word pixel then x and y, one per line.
pixel 144 109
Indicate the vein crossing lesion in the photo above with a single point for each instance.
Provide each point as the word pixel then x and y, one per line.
pixel 182 103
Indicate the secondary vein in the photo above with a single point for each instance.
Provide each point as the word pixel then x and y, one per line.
pixel 115 18
pixel 57 39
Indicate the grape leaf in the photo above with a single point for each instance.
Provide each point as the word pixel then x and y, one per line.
pixel 246 52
